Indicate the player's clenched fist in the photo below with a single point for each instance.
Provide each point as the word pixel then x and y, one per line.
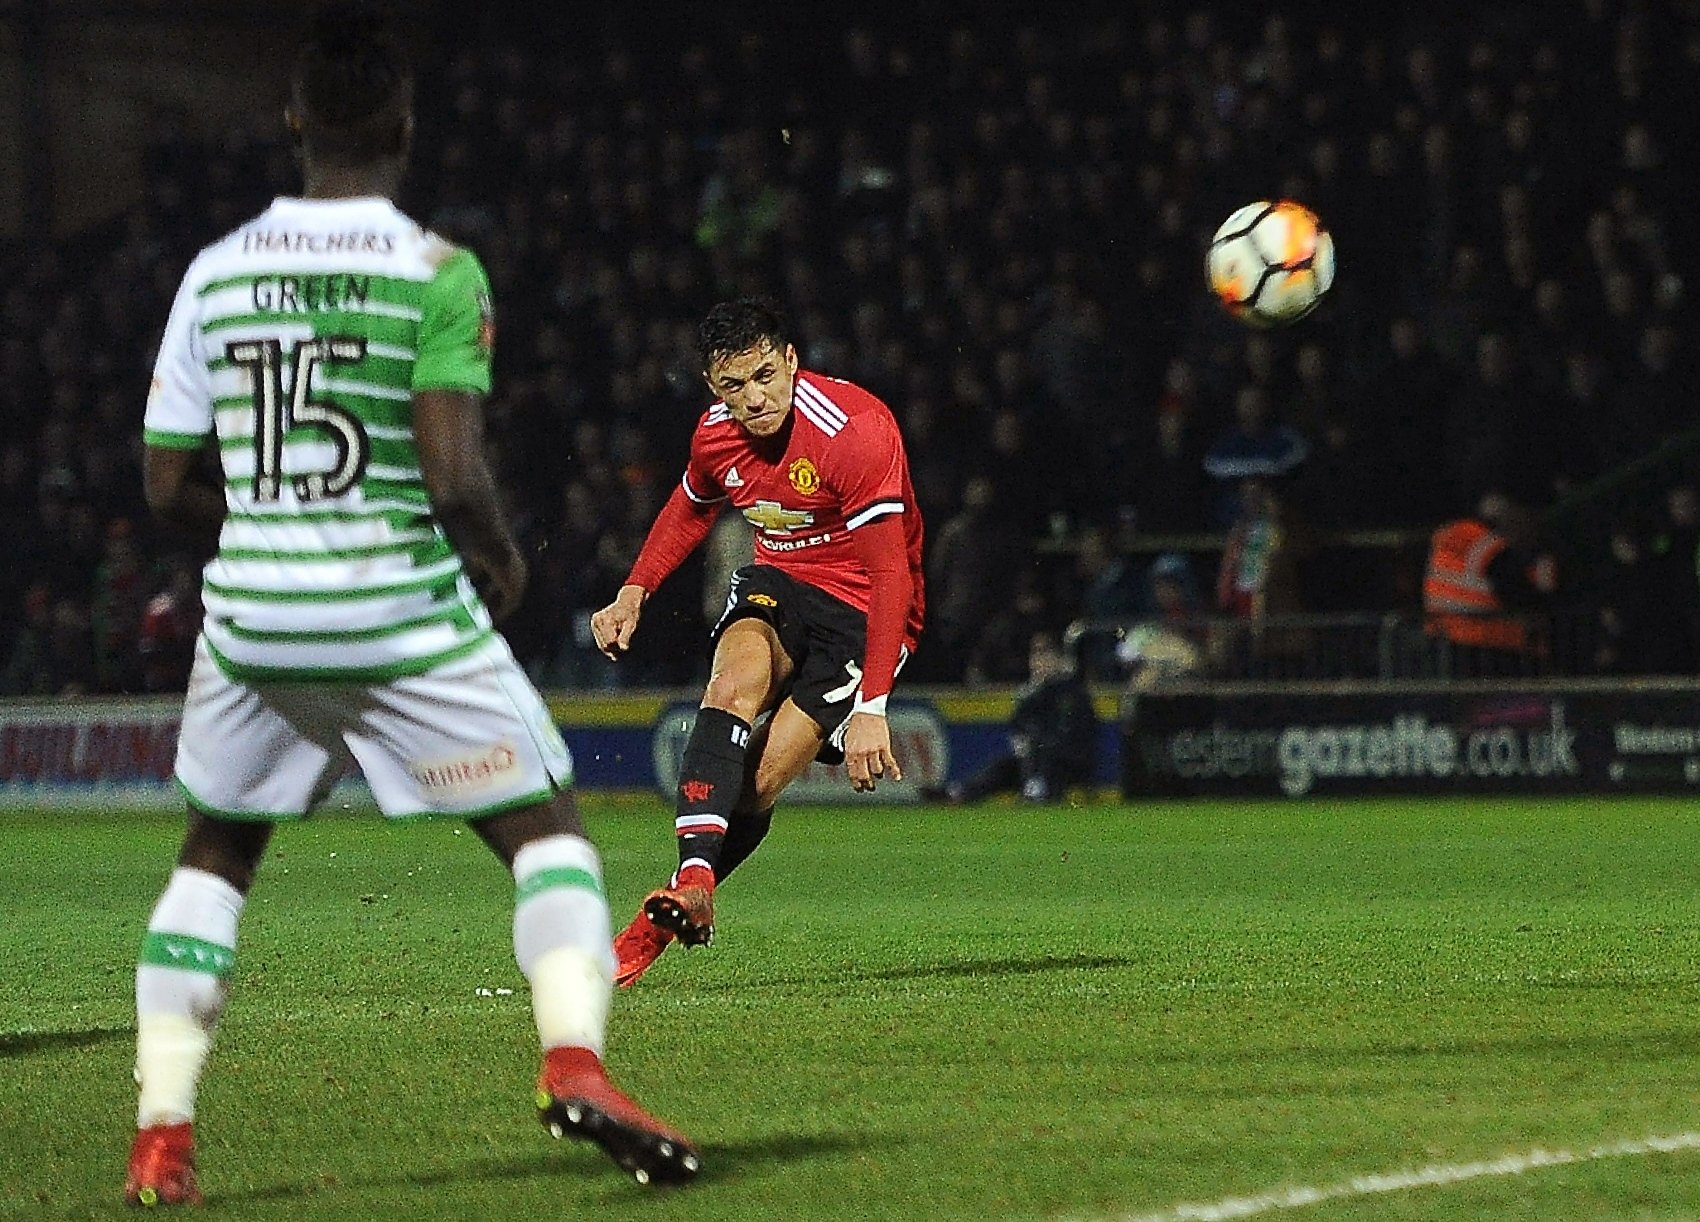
pixel 614 624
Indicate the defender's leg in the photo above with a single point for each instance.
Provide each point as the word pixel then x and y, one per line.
pixel 181 986
pixel 561 942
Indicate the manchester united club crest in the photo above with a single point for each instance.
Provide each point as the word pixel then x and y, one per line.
pixel 804 476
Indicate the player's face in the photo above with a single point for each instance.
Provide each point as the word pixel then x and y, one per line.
pixel 756 386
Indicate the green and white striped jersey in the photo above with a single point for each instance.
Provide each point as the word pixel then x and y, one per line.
pixel 299 340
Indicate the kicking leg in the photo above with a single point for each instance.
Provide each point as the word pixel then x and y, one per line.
pixel 749 667
pixel 786 746
pixel 747 826
pixel 182 981
pixel 788 743
pixel 642 942
pixel 768 770
pixel 561 942
pixel 743 833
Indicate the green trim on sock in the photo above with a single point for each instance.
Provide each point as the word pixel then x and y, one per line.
pixel 560 876
pixel 189 954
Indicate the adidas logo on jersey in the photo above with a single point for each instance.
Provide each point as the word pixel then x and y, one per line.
pixel 733 479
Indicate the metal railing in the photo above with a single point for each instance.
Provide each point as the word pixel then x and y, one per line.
pixel 1390 646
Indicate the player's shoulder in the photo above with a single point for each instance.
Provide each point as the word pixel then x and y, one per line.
pixel 716 423
pixel 217 257
pixel 377 234
pixel 841 410
pixel 445 257
pixel 834 398
pixel 835 406
pixel 426 253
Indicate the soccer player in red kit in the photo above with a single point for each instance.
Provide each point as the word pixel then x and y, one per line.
pixel 813 632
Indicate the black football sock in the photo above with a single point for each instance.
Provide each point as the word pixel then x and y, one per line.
pixel 711 779
pixel 743 833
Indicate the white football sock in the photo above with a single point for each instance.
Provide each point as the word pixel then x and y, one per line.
pixel 563 940
pixel 181 985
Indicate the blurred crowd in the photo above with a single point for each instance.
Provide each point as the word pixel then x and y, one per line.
pixel 1000 231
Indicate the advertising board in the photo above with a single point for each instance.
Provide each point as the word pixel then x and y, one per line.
pixel 121 751
pixel 1557 740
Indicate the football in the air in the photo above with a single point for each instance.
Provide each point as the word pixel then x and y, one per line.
pixel 1270 262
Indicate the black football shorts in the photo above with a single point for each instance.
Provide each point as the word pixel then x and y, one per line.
pixel 823 636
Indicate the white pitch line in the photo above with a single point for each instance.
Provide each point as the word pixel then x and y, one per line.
pixel 1433 1176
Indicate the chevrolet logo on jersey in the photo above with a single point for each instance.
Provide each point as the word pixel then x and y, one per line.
pixel 774 518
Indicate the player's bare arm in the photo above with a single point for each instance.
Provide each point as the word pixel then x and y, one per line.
pixel 448 428
pixel 176 493
pixel 614 625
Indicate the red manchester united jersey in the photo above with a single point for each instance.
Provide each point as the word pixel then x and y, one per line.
pixel 839 466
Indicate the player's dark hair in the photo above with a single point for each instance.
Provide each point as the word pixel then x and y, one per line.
pixel 737 326
pixel 353 86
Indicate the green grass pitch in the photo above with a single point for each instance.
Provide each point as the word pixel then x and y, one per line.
pixel 1097 1012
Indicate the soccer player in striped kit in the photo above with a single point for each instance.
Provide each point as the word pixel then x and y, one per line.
pixel 813 633
pixel 337 356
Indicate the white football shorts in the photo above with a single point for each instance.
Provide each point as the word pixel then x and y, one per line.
pixel 470 738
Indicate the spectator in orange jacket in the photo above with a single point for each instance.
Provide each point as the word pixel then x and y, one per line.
pixel 1485 586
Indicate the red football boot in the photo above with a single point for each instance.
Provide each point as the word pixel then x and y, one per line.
pixel 162 1167
pixel 575 1097
pixel 636 947
pixel 686 908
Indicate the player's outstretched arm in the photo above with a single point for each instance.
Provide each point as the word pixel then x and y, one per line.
pixel 448 428
pixel 614 624
pixel 682 524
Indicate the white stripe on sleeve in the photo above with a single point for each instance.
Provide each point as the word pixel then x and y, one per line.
pixel 877 510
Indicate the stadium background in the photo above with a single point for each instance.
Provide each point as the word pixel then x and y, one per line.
pixel 994 223
pixel 1429 1009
